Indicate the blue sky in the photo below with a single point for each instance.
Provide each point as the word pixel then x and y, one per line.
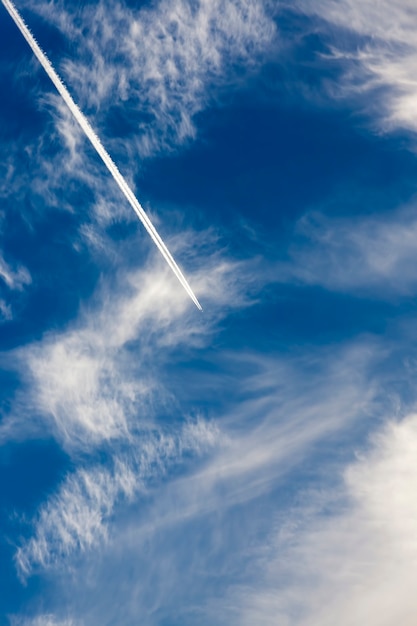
pixel 254 463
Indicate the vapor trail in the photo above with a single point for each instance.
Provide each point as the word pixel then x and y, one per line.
pixel 102 152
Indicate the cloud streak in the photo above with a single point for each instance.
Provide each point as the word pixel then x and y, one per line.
pixel 101 151
pixel 372 255
pixel 77 517
pixel 375 46
pixel 14 279
pixel 42 620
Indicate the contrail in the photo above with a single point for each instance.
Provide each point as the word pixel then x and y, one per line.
pixel 101 151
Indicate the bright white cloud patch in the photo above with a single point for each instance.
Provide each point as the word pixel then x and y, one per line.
pixel 357 566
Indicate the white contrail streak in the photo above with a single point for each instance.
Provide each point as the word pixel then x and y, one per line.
pixel 90 133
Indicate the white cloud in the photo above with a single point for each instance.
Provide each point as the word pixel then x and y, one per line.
pixel 14 279
pixel 6 310
pixel 158 65
pixel 281 408
pixel 77 517
pixel 357 565
pixel 189 541
pixel 101 381
pixel 370 255
pixel 98 380
pixel 147 70
pixel 379 61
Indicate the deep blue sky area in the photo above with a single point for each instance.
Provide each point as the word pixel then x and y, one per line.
pixel 164 466
pixel 273 161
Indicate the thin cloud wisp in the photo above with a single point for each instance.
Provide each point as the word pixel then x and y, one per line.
pixel 101 151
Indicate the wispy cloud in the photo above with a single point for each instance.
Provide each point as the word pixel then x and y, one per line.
pixel 356 564
pixel 89 383
pixel 373 255
pixel 76 519
pixel 198 524
pixel 376 48
pixel 253 512
pixel 281 409
pixel 101 382
pixel 169 64
pixel 159 65
pixel 14 278
pixel 42 620
pixel 99 148
pixel 6 310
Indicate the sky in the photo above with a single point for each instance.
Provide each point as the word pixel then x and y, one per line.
pixel 254 463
